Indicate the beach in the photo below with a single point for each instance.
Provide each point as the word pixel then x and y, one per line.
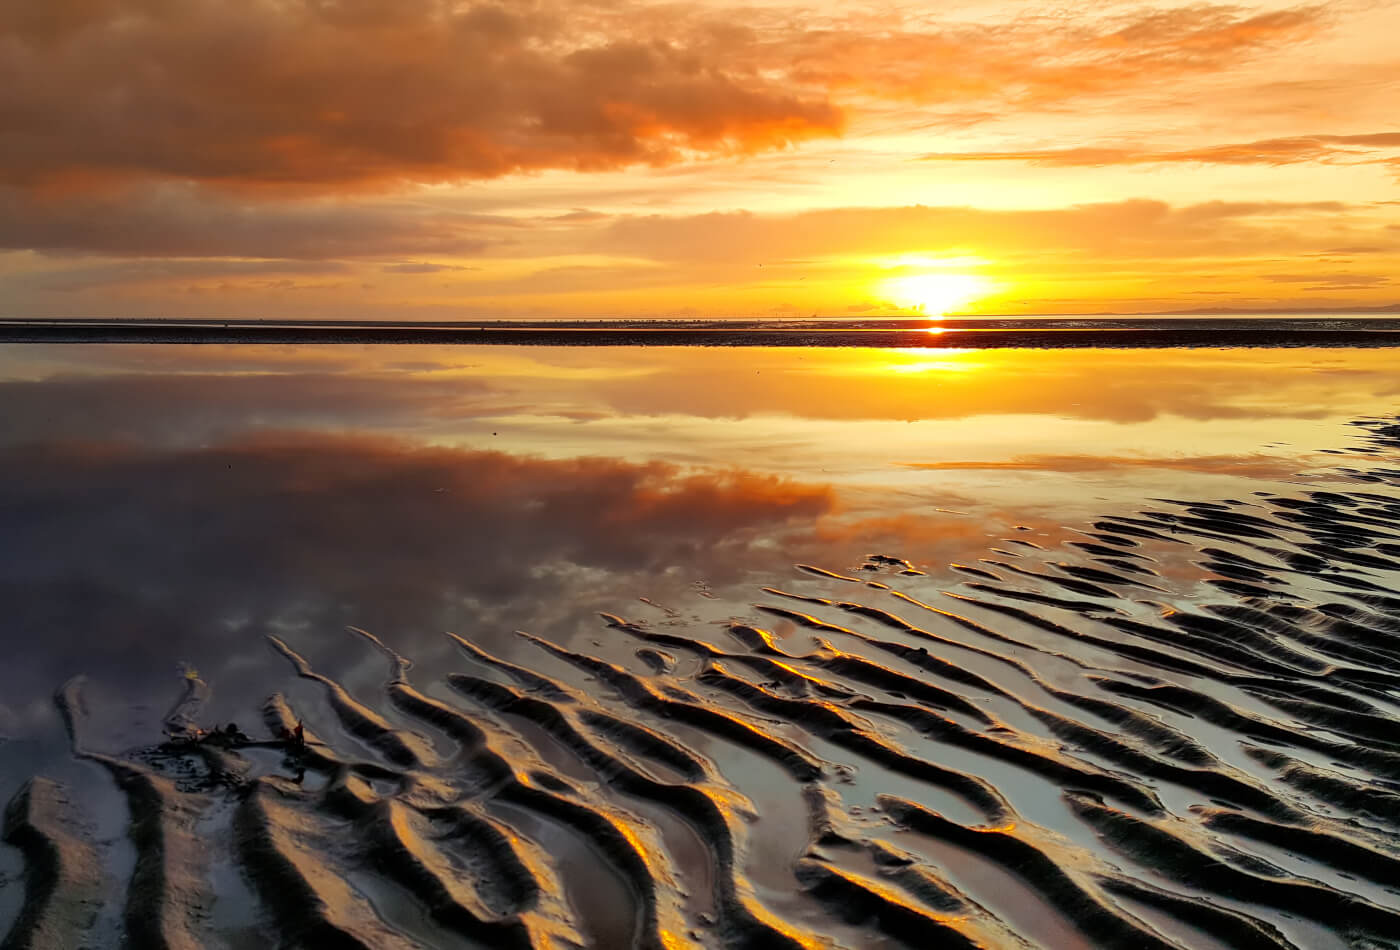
pixel 787 646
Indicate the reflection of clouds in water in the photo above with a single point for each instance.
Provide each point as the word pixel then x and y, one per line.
pixel 408 382
pixel 189 408
pixel 1252 465
pixel 835 415
pixel 186 532
pixel 124 558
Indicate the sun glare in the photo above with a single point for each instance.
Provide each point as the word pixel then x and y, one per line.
pixel 935 294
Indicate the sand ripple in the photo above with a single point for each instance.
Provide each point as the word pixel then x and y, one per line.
pixel 1077 747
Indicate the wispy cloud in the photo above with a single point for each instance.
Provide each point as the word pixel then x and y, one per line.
pixel 1109 230
pixel 183 220
pixel 1031 61
pixel 421 267
pixel 1280 151
pixel 1324 281
pixel 96 276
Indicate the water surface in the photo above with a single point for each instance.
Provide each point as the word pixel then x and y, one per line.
pixel 1112 546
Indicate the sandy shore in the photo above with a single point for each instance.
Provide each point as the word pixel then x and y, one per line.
pixel 1014 761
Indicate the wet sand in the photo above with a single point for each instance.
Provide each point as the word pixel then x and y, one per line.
pixel 1058 746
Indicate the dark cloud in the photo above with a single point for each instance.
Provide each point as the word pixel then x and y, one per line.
pixel 317 96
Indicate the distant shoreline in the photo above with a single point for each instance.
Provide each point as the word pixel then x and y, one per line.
pixel 1035 333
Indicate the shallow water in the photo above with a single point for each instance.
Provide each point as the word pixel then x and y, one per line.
pixel 1126 672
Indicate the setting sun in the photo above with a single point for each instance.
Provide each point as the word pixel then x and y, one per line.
pixel 935 294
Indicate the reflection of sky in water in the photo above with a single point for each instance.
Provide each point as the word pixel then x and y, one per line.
pixel 168 505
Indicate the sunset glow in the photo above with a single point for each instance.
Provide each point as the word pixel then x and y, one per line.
pixel 935 294
pixel 415 159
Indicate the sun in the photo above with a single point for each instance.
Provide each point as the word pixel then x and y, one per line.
pixel 935 294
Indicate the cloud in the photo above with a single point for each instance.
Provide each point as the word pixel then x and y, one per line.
pixel 1040 61
pixel 184 220
pixel 734 261
pixel 123 273
pixel 1280 151
pixel 1331 281
pixel 317 96
pixel 581 214
pixel 330 97
pixel 1109 230
pixel 420 267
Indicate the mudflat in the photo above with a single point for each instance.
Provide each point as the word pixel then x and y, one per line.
pixel 525 647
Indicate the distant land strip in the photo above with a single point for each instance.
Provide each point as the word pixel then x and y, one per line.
pixel 1050 333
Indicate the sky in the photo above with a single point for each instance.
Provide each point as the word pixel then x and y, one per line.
pixel 433 160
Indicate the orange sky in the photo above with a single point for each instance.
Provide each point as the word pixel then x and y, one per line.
pixel 420 159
